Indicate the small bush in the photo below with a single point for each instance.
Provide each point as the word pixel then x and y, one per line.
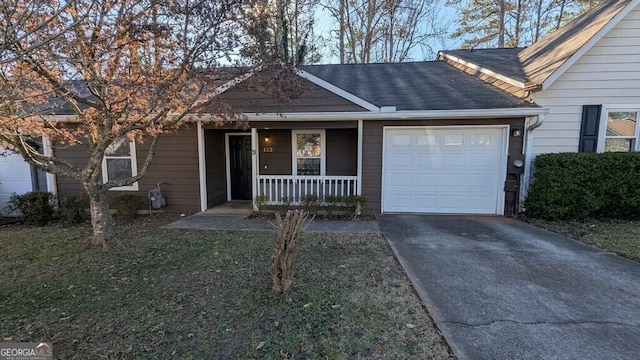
pixel 580 185
pixel 128 204
pixel 35 208
pixel 310 203
pixel 354 203
pixel 73 209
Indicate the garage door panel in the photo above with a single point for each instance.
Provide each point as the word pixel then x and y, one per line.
pixel 425 203
pixel 451 202
pixel 452 160
pixel 425 180
pixel 484 160
pixel 447 170
pixel 480 202
pixel 427 140
pixel 401 160
pixel 400 179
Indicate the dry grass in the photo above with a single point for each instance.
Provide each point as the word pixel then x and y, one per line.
pixel 617 236
pixel 202 294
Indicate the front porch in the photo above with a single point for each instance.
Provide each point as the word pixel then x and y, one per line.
pixel 281 163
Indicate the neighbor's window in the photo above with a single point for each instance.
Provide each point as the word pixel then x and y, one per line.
pixel 308 152
pixel 120 163
pixel 622 131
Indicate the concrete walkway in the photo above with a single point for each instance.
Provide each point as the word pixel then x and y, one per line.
pixel 502 289
pixel 209 221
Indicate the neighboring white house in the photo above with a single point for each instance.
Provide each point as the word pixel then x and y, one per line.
pixel 15 177
pixel 587 74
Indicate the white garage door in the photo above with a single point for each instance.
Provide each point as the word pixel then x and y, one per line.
pixel 457 170
pixel 15 177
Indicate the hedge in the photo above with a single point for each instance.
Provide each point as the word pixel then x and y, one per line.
pixel 579 185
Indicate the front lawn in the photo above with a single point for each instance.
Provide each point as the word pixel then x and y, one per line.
pixel 616 236
pixel 203 294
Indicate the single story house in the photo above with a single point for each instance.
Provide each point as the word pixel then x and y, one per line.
pixel 455 135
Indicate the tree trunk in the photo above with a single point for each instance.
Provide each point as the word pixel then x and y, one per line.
pixel 104 227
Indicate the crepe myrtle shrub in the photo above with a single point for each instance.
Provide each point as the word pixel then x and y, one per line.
pixel 128 204
pixel 580 185
pixel 35 208
pixel 288 229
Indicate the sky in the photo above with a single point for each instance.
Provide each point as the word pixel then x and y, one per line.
pixel 447 16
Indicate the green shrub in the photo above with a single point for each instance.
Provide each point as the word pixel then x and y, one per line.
pixel 35 208
pixel 73 209
pixel 310 203
pixel 579 185
pixel 128 204
pixel 354 203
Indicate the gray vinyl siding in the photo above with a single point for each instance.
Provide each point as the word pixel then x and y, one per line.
pixel 341 152
pixel 313 99
pixel 175 164
pixel 278 162
pixel 372 150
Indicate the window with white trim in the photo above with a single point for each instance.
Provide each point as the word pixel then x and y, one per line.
pixel 119 163
pixel 622 131
pixel 308 152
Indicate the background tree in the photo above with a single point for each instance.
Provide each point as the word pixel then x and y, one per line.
pixel 512 23
pixel 383 30
pixel 288 30
pixel 128 70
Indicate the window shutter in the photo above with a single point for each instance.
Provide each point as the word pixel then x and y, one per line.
pixel 589 128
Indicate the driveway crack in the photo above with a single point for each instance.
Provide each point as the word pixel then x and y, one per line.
pixel 578 322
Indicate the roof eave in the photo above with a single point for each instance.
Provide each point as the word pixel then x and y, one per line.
pixel 483 70
pixel 365 115
pixel 549 80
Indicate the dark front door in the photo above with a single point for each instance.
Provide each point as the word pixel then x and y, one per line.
pixel 240 166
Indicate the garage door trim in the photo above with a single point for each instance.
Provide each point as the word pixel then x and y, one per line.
pixel 503 157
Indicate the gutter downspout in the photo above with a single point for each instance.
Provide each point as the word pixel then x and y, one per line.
pixel 528 158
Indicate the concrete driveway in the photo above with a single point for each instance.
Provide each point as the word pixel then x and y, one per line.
pixel 502 289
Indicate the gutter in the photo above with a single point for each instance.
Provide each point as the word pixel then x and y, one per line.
pixel 386 113
pixel 401 115
pixel 528 144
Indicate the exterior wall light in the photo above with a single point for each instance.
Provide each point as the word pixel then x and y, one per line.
pixel 266 138
pixel 518 163
pixel 516 133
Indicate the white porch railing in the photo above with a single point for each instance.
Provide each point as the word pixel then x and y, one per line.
pixel 276 189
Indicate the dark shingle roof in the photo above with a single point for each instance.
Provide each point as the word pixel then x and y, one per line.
pixel 502 61
pixel 538 61
pixel 416 86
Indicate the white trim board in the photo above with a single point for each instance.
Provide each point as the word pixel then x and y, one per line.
pixel 589 44
pixel 370 115
pixel 503 160
pixel 202 168
pixel 338 91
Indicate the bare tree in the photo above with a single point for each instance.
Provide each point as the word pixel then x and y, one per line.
pixel 383 30
pixel 127 70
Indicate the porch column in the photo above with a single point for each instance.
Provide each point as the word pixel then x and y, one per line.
pixel 202 168
pixel 47 150
pixel 254 167
pixel 359 187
